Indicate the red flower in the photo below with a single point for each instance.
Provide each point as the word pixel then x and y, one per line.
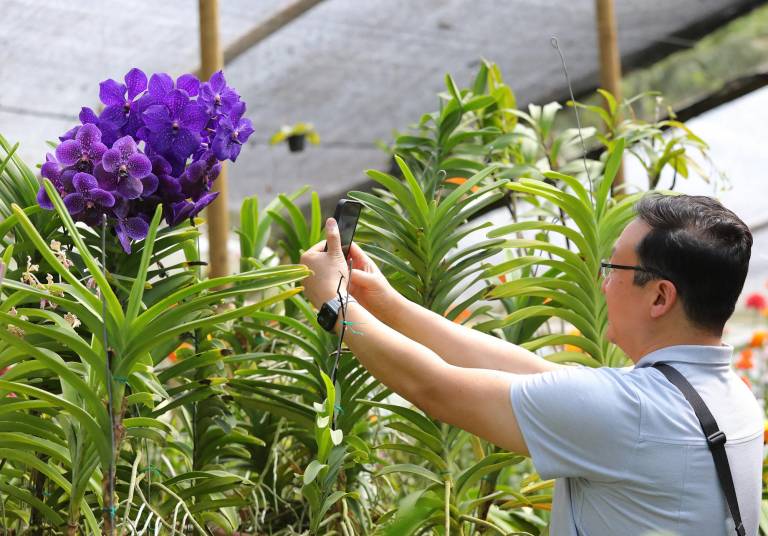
pixel 756 301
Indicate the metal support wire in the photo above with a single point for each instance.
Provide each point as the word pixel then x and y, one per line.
pixel 556 46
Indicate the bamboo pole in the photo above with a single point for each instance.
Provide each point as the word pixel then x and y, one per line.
pixel 212 59
pixel 610 59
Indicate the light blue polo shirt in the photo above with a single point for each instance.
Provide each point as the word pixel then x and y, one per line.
pixel 627 449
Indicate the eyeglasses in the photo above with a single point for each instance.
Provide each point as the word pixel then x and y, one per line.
pixel 606 267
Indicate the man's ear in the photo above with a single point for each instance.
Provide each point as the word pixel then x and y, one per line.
pixel 664 299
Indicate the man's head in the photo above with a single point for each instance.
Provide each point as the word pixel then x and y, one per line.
pixel 694 255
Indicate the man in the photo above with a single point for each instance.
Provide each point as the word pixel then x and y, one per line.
pixel 626 447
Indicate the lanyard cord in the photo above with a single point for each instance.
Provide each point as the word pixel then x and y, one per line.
pixel 343 308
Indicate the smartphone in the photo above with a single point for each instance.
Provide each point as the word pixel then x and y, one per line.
pixel 346 215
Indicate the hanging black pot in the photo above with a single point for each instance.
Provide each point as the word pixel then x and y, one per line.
pixel 296 142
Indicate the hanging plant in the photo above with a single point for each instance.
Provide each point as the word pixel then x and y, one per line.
pixel 296 136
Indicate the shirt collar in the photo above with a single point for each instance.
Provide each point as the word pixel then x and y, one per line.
pixel 688 353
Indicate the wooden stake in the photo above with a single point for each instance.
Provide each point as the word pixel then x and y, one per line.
pixel 212 60
pixel 610 59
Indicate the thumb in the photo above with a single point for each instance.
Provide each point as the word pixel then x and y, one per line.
pixel 333 239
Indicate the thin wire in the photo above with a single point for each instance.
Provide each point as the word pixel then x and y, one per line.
pixel 110 478
pixel 556 46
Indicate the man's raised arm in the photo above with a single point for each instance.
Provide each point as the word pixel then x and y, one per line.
pixel 454 343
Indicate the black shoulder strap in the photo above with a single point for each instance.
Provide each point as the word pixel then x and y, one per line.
pixel 715 439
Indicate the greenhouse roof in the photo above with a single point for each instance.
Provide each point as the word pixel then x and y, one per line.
pixel 356 70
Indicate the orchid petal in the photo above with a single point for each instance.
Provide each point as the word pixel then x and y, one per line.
pixel 136 228
pixel 111 160
pixel 43 200
pixel 88 135
pixel 84 182
pixel 88 116
pixel 160 84
pixel 156 117
pixel 75 203
pixel 193 117
pixel 149 185
pixel 139 165
pixel 112 92
pixel 189 83
pixel 69 152
pixel 102 197
pixel 136 82
pixel 129 187
pixel 175 101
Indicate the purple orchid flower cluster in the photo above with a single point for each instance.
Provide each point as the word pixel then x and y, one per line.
pixel 156 142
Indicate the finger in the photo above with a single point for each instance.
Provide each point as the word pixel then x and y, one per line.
pixel 333 238
pixel 362 279
pixel 361 259
pixel 357 255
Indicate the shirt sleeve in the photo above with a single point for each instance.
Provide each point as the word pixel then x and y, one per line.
pixel 578 422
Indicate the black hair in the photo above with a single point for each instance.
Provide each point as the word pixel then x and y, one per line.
pixel 702 247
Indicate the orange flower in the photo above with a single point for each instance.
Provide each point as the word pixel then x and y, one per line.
pixel 461 180
pixel 503 278
pixel 462 316
pixel 745 361
pixel 758 338
pixel 571 347
pixel 746 380
pixel 183 346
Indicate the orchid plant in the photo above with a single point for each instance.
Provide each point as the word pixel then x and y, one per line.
pixel 157 142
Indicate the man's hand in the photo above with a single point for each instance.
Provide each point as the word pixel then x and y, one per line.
pixel 367 284
pixel 328 267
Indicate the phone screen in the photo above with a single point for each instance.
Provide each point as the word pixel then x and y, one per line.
pixel 347 220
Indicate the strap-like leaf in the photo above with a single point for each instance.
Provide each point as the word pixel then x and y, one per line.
pixel 137 290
